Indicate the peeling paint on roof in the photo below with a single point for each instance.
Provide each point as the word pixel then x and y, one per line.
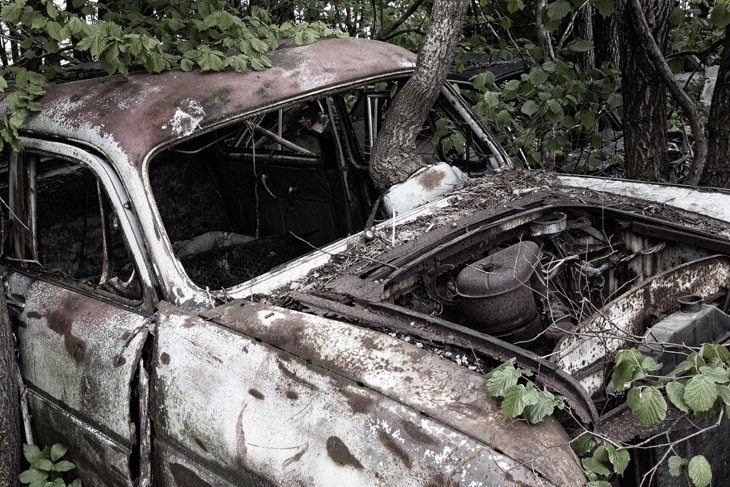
pixel 128 119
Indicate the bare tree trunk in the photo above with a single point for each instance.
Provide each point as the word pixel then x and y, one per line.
pixel 543 37
pixel 394 156
pixel 659 64
pixel 605 34
pixel 584 30
pixel 644 92
pixel 547 157
pixel 717 168
pixel 10 439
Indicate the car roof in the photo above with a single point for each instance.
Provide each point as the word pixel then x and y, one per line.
pixel 128 119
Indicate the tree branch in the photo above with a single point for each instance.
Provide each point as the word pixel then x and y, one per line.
pixel 385 34
pixel 679 95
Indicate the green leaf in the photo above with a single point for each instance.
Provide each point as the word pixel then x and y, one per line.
pixel 239 63
pixel 676 65
pixel 32 453
pixel 530 108
pixel 591 464
pixel 650 364
pixel 502 378
pixel 615 100
pixel 57 451
pixel 559 9
pixel 51 10
pixel 675 465
pixel 700 393
pixel 714 353
pixel 11 12
pixel 55 30
pixel 482 80
pixel 64 466
pixel 259 46
pixel 32 475
pixel 75 26
pixel 720 14
pixel 618 458
pixel 604 7
pixel 98 44
pixel 723 393
pixel 503 118
pixel 257 65
pixel 186 64
pixel 538 76
pixel 676 17
pixel 583 444
pixel 3 84
pixel 675 393
pixel 647 404
pixel 535 413
pixel 39 22
pixel 627 368
pixel 599 483
pixel 43 464
pixel 700 471
pixel 514 401
pixel 515 5
pixel 491 98
pixel 587 120
pixel 580 45
pixel 716 373
pixel 512 85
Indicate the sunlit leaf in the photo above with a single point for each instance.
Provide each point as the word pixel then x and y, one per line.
pixel 647 404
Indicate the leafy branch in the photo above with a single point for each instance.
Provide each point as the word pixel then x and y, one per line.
pixel 47 467
pixel 697 386
pixel 155 36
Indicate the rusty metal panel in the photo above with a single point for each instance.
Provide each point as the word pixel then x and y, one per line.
pixel 620 323
pixel 127 119
pixel 101 461
pixel 80 353
pixel 333 404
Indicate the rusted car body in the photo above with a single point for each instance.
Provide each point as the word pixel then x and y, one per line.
pixel 195 303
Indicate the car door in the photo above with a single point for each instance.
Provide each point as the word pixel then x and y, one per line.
pixel 80 305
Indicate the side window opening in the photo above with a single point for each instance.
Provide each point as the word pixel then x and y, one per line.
pixel 247 198
pixel 78 236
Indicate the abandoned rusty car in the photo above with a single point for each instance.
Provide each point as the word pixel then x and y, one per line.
pixel 202 296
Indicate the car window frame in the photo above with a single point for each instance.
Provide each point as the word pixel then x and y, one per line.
pixel 118 200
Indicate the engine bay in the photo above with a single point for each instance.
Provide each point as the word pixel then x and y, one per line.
pixel 564 283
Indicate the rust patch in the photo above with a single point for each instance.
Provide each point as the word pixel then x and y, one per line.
pixel 430 179
pixel 241 450
pixel 340 454
pixel 126 335
pixel 416 433
pixel 119 361
pixel 34 315
pixel 255 393
pixel 394 448
pixel 189 323
pixel 294 377
pixel 359 403
pixel 184 477
pixel 292 395
pixel 201 445
pixel 61 321
pixel 165 358
pixel 296 457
